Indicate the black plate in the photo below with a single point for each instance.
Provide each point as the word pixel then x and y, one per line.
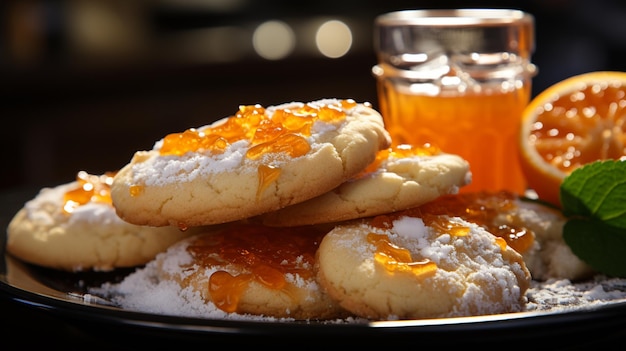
pixel 64 295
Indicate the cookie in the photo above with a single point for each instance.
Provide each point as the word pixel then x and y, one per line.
pixel 74 227
pixel 550 257
pixel 256 161
pixel 532 228
pixel 401 177
pixel 250 269
pixel 410 266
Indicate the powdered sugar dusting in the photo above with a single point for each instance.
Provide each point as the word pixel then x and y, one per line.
pixel 411 228
pixel 145 290
pixel 161 170
pixel 155 288
pixel 563 295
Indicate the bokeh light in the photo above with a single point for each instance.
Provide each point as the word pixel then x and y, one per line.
pixel 274 40
pixel 333 38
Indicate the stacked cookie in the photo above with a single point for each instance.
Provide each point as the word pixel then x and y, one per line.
pixel 281 188
pixel 304 210
pixel 256 161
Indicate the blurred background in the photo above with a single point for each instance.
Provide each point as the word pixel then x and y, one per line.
pixel 86 83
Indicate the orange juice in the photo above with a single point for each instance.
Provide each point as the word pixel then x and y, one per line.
pixel 481 127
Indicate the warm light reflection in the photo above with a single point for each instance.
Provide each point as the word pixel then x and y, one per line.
pixel 273 40
pixel 333 38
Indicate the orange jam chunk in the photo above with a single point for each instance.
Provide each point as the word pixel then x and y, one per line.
pixel 191 139
pixel 287 126
pixel 136 190
pixel 441 224
pixel 282 119
pixel 291 144
pixel 263 254
pixel 267 175
pixel 501 242
pixel 398 259
pixel 226 290
pixel 90 188
pixel 401 151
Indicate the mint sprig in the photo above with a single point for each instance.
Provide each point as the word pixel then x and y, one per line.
pixel 593 198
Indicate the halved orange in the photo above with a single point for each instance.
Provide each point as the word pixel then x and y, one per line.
pixel 574 122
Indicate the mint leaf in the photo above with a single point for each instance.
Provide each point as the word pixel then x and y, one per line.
pixel 599 245
pixel 594 199
pixel 597 190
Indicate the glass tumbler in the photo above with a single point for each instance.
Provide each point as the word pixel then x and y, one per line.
pixel 459 80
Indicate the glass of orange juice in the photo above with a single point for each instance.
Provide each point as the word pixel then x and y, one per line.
pixel 458 79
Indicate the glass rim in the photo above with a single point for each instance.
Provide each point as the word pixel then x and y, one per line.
pixel 454 17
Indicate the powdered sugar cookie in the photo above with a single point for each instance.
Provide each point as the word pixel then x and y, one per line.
pixel 410 265
pixel 74 227
pixel 401 177
pixel 531 228
pixel 252 269
pixel 256 161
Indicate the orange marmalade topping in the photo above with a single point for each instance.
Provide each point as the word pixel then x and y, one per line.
pixel 401 151
pixel 398 259
pixel 285 131
pixel 264 255
pixel 267 175
pixel 90 188
pixel 481 208
pixel 395 258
